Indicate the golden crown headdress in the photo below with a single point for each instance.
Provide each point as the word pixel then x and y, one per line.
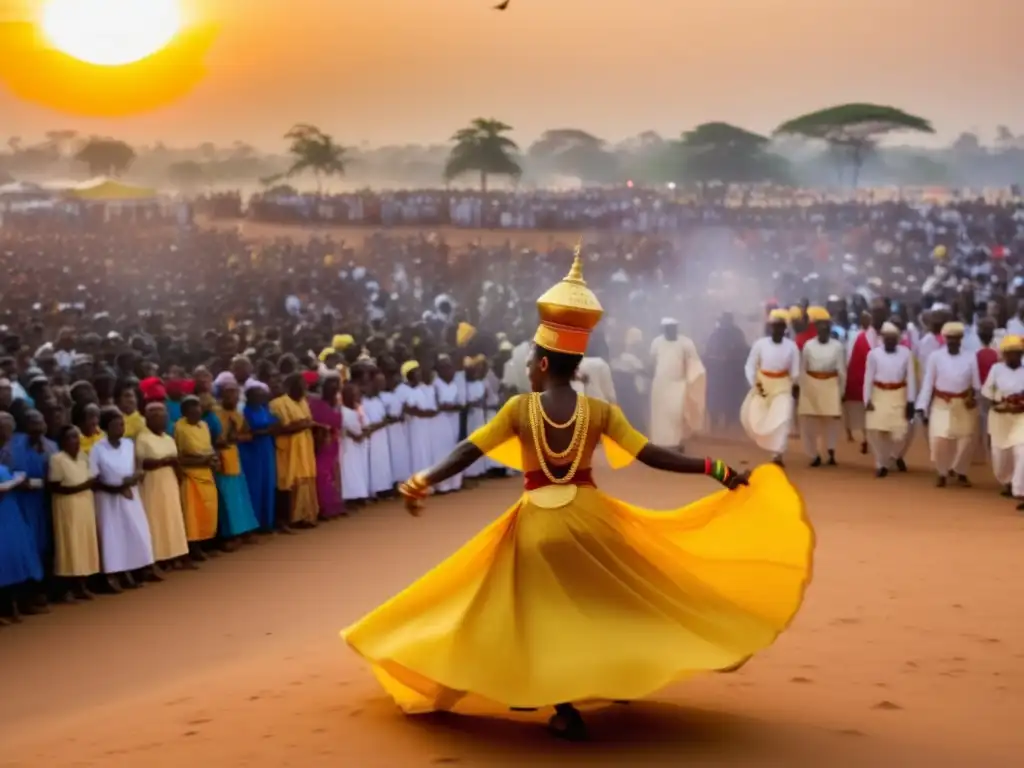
pixel 569 312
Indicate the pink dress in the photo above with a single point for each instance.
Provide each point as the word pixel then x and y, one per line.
pixel 328 459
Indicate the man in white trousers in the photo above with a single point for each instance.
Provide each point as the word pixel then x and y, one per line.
pixel 948 406
pixel 1004 391
pixel 822 385
pixel 890 389
pixel 773 372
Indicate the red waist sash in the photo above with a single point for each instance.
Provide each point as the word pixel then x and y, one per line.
pixel 536 478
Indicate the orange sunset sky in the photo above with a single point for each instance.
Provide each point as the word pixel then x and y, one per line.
pixel 388 71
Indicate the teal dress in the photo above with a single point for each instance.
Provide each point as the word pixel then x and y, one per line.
pixel 235 513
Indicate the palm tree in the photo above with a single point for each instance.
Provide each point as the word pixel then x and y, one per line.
pixel 483 147
pixel 313 150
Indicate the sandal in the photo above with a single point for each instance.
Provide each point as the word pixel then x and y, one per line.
pixel 567 723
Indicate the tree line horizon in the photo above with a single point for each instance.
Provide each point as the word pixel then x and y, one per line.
pixel 837 146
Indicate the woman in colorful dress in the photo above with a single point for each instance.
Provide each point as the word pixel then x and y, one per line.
pixel 125 542
pixel 326 411
pixel 158 456
pixel 30 453
pixel 259 462
pixel 296 455
pixel 20 567
pixel 572 594
pixel 235 517
pixel 197 459
pixel 76 541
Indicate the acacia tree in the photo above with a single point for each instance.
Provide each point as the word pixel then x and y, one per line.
pixel 187 175
pixel 572 152
pixel 853 131
pixel 313 150
pixel 724 153
pixel 106 157
pixel 482 147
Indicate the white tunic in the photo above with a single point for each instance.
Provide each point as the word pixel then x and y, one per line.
pixel 125 541
pixel 355 458
pixel 1005 429
pixel 766 417
pixel 421 447
pixel 889 400
pixel 598 375
pixel 946 379
pixel 445 435
pixel 476 396
pixel 381 477
pixel 823 378
pixel 398 434
pixel 515 375
pixel 928 344
pixel 678 391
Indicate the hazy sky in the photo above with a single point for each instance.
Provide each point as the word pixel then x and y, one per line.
pixel 388 71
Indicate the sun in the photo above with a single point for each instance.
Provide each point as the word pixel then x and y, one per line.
pixel 110 33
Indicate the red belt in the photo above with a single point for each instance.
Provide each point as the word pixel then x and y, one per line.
pixel 536 478
pixel 947 396
pixel 889 386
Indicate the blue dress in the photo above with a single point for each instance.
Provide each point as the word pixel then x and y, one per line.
pixel 34 504
pixel 19 561
pixel 235 514
pixel 173 414
pixel 259 465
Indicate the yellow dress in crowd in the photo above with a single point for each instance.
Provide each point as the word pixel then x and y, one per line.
pixel 296 460
pixel 76 545
pixel 161 497
pixel 573 595
pixel 198 490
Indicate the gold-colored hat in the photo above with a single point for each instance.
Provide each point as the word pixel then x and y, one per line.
pixel 569 312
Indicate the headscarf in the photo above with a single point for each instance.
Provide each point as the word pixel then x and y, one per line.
pixel 153 390
pixel 224 380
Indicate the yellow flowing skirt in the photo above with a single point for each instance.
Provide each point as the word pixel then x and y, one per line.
pixel 595 600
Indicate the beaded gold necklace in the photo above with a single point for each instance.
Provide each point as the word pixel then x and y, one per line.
pixel 537 418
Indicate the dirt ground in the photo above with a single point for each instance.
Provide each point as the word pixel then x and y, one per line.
pixel 909 650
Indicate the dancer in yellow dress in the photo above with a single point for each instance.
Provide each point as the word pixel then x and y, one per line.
pixel 573 595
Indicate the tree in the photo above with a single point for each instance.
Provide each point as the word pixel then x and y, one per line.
pixel 572 152
pixel 106 157
pixel 854 130
pixel 482 147
pixel 187 175
pixel 313 150
pixel 720 152
pixel 61 140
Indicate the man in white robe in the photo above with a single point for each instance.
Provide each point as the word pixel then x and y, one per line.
pixel 773 372
pixel 516 379
pixel 890 389
pixel 822 385
pixel 678 388
pixel 1004 391
pixel 948 405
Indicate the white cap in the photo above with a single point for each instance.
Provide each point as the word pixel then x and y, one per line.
pixel 669 321
pixel 890 329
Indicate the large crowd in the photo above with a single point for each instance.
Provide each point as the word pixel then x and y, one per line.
pixel 169 394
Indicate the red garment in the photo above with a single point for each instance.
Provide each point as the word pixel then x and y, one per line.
pixel 804 337
pixel 153 390
pixel 311 377
pixel 986 359
pixel 857 368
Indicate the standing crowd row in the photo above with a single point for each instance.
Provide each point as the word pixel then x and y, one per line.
pixel 119 493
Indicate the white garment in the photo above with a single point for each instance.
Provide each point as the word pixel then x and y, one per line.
pixel 398 434
pixel 421 447
pixel 476 395
pixel 890 383
pixel 382 479
pixel 445 435
pixel 678 391
pixel 822 379
pixel 355 458
pixel 815 430
pixel 1006 430
pixel 125 540
pixel 951 425
pixel 767 417
pixel 515 374
pixel 928 344
pixel 598 375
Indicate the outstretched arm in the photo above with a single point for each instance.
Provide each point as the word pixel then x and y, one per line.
pixel 672 461
pixel 460 459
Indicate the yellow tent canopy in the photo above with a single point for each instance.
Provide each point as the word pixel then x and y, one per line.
pixel 108 190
